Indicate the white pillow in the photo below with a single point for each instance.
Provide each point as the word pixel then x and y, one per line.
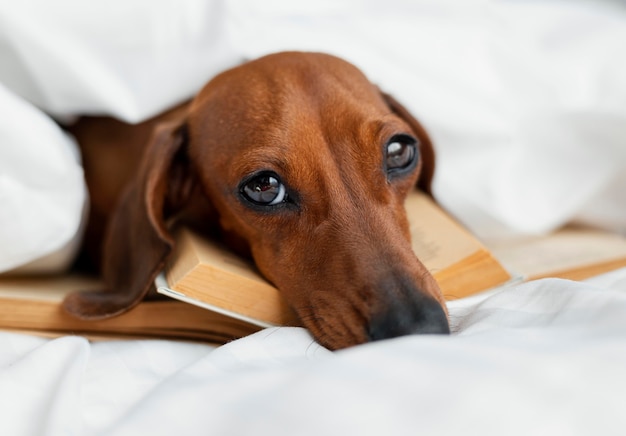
pixel 130 58
pixel 42 190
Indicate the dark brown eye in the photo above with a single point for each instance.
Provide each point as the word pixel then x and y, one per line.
pixel 401 153
pixel 265 190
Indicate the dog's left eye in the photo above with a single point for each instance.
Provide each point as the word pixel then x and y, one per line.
pixel 265 190
pixel 401 153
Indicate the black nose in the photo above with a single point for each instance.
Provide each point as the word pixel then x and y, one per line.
pixel 420 315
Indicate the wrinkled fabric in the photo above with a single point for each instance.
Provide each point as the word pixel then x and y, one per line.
pixel 544 357
pixel 42 189
pixel 131 59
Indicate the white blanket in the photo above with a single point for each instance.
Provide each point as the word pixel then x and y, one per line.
pixel 42 191
pixel 546 357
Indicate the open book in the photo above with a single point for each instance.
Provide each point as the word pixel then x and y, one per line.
pixel 33 305
pixel 202 272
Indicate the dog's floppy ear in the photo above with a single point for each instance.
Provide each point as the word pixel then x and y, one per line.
pixel 137 242
pixel 427 151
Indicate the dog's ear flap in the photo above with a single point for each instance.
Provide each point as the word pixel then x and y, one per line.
pixel 137 242
pixel 427 150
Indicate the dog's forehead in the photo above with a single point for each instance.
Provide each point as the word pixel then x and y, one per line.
pixel 283 99
pixel 283 71
pixel 278 86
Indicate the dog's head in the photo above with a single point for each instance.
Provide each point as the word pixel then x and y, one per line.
pixel 304 163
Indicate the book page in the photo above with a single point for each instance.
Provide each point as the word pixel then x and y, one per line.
pixel 566 250
pixel 212 253
pixel 206 271
pixel 212 263
pixel 438 241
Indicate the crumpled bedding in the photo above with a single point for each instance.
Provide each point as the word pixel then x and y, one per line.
pixel 526 103
pixel 42 190
pixel 544 357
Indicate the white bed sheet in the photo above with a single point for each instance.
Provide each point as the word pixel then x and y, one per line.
pixel 544 357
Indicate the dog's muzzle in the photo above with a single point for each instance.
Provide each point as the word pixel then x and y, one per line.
pixel 411 312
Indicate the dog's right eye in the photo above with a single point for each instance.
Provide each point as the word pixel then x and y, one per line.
pixel 265 189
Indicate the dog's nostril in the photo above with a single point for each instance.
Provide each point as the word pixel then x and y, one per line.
pixel 425 316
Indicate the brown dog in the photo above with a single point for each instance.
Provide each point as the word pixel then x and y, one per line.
pixel 300 162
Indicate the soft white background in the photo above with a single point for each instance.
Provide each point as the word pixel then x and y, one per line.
pixel 526 102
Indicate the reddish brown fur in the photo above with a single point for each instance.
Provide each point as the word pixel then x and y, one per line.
pixel 321 125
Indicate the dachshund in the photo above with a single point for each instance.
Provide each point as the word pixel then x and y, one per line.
pixel 295 159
